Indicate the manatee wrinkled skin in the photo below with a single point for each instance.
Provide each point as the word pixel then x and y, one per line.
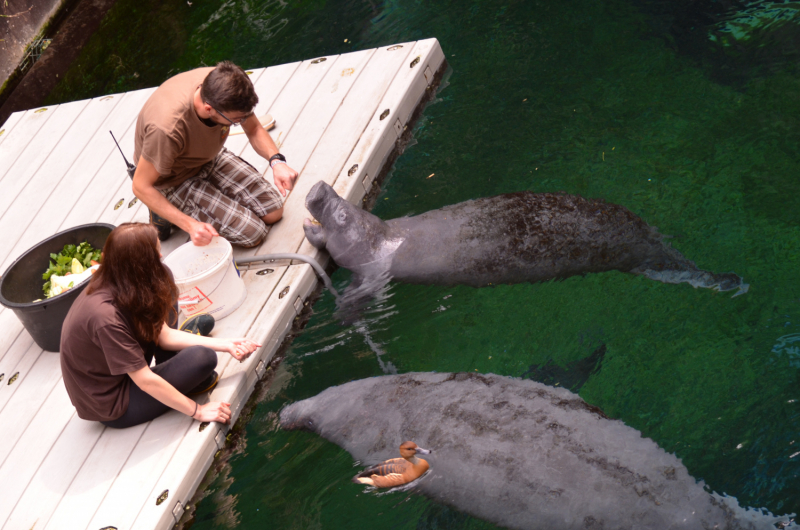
pixel 519 454
pixel 511 238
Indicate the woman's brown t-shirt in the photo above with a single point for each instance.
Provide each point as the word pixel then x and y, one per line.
pixel 98 349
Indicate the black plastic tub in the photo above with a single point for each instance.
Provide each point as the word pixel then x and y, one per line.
pixel 22 284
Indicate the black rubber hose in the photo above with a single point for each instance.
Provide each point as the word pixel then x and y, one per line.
pixel 299 257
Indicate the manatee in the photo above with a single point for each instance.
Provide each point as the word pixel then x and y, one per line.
pixel 519 454
pixel 511 238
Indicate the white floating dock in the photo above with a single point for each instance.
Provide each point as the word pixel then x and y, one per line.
pixel 338 119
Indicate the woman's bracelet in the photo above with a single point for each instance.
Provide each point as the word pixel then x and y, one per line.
pixel 195 409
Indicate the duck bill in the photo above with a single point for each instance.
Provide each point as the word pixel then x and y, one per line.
pixel 421 451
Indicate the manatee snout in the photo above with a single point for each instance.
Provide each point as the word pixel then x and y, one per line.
pixel 293 418
pixel 319 201
pixel 315 233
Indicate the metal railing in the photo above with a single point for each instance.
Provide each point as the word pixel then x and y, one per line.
pixel 33 52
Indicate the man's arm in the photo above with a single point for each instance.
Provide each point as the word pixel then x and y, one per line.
pixel 144 188
pixel 264 146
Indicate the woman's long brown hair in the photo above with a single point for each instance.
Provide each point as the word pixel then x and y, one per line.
pixel 141 286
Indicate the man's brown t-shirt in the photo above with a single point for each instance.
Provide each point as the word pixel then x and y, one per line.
pixel 98 349
pixel 170 135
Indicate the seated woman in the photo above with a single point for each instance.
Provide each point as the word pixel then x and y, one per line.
pixel 119 323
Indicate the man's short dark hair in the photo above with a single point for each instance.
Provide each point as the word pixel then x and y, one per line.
pixel 228 88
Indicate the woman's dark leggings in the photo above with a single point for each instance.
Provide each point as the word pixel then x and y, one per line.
pixel 184 370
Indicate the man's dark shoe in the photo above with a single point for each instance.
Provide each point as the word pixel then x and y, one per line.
pixel 205 385
pixel 163 226
pixel 200 324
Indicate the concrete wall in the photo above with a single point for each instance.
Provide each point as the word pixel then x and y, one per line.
pixel 20 22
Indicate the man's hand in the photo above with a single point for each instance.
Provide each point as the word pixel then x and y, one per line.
pixel 201 233
pixel 284 178
pixel 143 187
pixel 264 145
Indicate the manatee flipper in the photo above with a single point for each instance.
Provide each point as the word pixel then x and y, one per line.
pixel 359 294
pixel 352 301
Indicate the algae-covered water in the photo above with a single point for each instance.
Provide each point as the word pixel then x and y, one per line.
pixel 684 112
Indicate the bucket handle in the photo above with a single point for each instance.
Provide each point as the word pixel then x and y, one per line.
pixel 191 302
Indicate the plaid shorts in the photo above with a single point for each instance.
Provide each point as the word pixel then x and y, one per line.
pixel 230 195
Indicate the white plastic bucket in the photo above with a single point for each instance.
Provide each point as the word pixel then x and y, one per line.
pixel 207 277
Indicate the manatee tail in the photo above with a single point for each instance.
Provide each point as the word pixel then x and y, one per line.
pixel 699 278
pixel 669 266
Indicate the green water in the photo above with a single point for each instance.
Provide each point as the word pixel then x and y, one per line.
pixel 629 101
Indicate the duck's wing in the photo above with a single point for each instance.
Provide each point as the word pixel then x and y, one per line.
pixel 390 481
pixel 395 466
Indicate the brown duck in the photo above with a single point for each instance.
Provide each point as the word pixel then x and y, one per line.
pixel 397 471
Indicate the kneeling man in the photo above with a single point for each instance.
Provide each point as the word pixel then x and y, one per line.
pixel 185 175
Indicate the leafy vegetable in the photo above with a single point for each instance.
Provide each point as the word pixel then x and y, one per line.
pixel 71 260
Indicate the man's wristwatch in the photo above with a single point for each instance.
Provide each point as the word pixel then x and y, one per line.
pixel 277 158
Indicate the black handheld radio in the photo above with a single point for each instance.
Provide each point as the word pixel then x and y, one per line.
pixel 131 167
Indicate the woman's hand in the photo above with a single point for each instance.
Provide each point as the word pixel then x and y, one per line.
pixel 175 340
pixel 240 349
pixel 214 411
pixel 161 390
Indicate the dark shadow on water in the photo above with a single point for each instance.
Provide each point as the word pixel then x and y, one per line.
pixel 736 40
pixel 572 376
